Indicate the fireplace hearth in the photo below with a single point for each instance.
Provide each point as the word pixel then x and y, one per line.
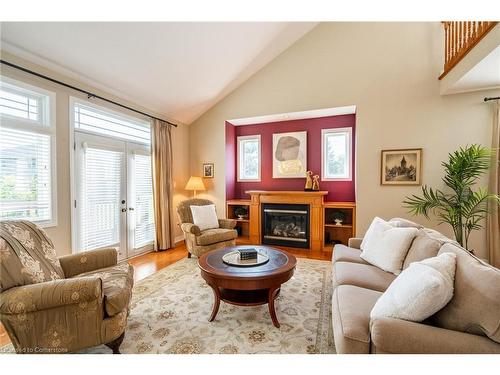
pixel 285 225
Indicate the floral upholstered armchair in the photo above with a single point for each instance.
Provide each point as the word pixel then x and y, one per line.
pixel 60 305
pixel 199 242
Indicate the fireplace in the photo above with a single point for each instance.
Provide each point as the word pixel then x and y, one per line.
pixel 285 225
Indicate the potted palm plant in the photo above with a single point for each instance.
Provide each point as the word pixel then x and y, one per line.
pixel 458 204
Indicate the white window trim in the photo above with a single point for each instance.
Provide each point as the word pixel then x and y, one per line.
pixel 324 133
pixel 243 138
pixel 48 127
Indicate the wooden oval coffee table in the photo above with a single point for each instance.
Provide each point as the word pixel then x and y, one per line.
pixel 247 286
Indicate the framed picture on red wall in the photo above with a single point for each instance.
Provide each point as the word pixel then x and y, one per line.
pixel 290 155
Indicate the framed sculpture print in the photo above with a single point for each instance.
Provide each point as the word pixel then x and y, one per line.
pixel 208 170
pixel 290 155
pixel 401 167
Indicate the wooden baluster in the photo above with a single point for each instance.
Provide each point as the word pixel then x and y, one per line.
pixel 454 38
pixel 447 50
pixel 445 26
pixel 460 39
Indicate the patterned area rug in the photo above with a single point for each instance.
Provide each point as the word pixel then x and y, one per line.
pixel 170 311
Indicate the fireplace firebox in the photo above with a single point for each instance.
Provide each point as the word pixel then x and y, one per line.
pixel 285 225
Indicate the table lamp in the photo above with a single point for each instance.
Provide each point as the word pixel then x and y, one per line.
pixel 195 183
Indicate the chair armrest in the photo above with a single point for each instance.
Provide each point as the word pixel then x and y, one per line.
pixel 50 294
pixel 227 223
pixel 391 335
pixel 355 242
pixel 87 261
pixel 190 228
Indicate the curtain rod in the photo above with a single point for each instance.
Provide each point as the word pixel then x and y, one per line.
pixel 88 93
pixel 493 98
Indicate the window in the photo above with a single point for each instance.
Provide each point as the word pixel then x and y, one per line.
pixel 336 145
pixel 92 119
pixel 27 142
pixel 249 158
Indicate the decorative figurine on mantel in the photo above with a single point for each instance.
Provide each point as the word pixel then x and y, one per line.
pixel 315 185
pixel 309 181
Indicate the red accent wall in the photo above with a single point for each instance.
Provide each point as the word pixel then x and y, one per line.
pixel 340 191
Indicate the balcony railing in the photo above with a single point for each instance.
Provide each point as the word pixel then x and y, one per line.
pixel 459 38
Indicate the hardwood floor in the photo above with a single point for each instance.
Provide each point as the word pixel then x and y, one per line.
pixel 147 264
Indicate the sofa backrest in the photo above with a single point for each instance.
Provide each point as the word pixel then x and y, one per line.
pixel 475 306
pixel 426 244
pixel 27 255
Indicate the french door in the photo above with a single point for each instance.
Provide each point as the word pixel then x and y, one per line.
pixel 114 200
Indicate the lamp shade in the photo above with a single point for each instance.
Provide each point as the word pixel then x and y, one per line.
pixel 195 183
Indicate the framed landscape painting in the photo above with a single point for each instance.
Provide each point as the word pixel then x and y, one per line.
pixel 290 155
pixel 401 167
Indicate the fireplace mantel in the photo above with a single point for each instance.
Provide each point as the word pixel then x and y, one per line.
pixel 286 192
pixel 313 198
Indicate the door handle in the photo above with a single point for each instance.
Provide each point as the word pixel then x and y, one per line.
pixel 131 208
pixel 124 210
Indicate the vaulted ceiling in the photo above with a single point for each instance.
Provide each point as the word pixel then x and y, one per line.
pixel 179 70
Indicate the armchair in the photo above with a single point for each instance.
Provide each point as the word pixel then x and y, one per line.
pixel 199 242
pixel 60 305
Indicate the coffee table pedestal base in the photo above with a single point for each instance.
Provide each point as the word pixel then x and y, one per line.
pixel 246 298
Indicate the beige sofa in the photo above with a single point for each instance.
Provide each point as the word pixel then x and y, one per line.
pixel 470 323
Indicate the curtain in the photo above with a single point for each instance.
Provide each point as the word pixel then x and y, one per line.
pixel 161 156
pixel 493 218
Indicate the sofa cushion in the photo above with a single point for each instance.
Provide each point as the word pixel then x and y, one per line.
pixel 404 223
pixel 362 275
pixel 117 283
pixel 475 306
pixel 386 246
pixel 205 217
pixel 420 291
pixel 27 255
pixel 351 306
pixel 426 244
pixel 342 253
pixel 211 236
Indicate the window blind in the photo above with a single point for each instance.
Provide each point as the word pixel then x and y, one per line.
pixel 25 175
pixel 101 204
pixel 144 216
pixel 94 120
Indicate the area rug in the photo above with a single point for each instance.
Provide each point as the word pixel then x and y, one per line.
pixel 170 310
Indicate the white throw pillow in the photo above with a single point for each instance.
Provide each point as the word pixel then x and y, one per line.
pixel 205 217
pixel 420 291
pixel 385 246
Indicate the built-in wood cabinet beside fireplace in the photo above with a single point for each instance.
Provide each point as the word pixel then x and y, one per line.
pixel 335 232
pixel 323 231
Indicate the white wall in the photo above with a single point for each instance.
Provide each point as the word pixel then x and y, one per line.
pixel 61 234
pixel 390 72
